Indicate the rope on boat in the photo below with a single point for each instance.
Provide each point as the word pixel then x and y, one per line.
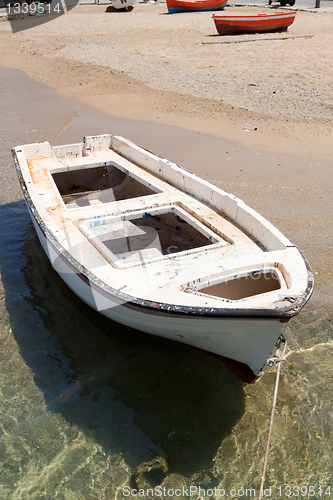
pixel 272 361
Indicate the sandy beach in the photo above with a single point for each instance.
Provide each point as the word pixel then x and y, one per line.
pixel 151 66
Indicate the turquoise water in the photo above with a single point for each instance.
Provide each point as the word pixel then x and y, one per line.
pixel 88 407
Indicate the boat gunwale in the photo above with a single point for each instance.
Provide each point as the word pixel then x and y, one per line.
pixel 125 300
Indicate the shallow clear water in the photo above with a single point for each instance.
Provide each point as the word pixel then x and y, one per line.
pixel 87 405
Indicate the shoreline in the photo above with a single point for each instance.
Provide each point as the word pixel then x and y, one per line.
pixel 309 141
pixel 283 169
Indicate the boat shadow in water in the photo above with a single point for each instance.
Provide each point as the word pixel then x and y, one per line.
pixel 135 394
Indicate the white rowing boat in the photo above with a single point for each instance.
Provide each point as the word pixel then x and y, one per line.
pixel 154 247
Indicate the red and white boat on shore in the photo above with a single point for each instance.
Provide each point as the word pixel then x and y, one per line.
pixel 258 23
pixel 154 247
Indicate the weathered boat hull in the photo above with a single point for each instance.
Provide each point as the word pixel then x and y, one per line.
pixel 243 332
pixel 260 23
pixel 243 344
pixel 176 6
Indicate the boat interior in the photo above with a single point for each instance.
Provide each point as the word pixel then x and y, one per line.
pixel 81 187
pixel 137 210
pixel 241 286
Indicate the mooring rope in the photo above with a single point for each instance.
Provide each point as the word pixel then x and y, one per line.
pixel 276 359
